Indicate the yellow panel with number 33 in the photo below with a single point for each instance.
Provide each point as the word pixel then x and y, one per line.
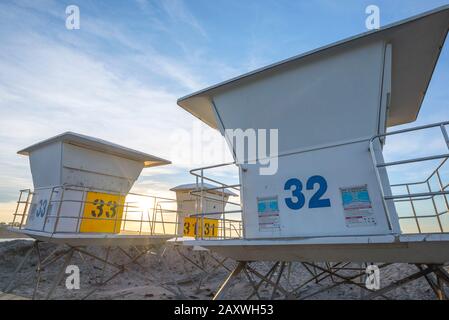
pixel 210 227
pixel 102 213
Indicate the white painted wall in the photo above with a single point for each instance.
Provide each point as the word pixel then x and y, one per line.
pixel 343 166
pixel 89 168
pixel 326 110
pixel 45 164
pixel 321 102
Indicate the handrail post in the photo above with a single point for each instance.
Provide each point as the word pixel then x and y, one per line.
pixel 125 207
pixel 197 207
pixel 153 229
pixel 379 181
pixel 120 207
pixel 162 217
pixel 59 209
pixel 440 182
pixel 176 222
pixel 223 210
pixel 435 208
pixel 141 223
pixel 202 205
pixel 445 135
pixel 81 211
pixel 413 209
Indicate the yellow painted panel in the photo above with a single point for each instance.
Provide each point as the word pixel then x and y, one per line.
pixel 210 227
pixel 102 213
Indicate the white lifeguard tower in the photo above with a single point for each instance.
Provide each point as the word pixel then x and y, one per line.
pixel 331 198
pixel 80 187
pixel 190 198
pixel 81 198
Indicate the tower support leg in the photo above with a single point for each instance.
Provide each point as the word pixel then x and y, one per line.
pixel 227 284
pixel 19 267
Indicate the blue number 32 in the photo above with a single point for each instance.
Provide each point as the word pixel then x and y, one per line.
pixel 299 201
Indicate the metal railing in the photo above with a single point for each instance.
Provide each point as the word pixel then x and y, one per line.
pixel 230 221
pixel 412 198
pixel 131 214
pixel 415 198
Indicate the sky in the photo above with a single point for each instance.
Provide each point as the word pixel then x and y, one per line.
pixel 118 77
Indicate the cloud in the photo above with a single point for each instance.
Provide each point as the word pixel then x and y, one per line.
pixel 59 80
pixel 178 12
pixel 411 145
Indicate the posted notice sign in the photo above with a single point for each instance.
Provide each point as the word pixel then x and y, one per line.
pixel 357 207
pixel 268 212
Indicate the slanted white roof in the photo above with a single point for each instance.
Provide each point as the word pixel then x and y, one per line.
pixel 417 43
pixel 98 145
pixel 194 187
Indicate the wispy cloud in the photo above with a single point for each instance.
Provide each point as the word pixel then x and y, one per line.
pixel 178 12
pixel 60 80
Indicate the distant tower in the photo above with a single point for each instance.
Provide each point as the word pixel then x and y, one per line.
pixel 80 183
pixel 188 200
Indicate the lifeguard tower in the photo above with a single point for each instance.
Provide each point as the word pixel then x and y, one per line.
pixel 82 197
pixel 331 198
pixel 205 198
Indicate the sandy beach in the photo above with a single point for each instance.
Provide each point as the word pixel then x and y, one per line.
pixel 164 274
